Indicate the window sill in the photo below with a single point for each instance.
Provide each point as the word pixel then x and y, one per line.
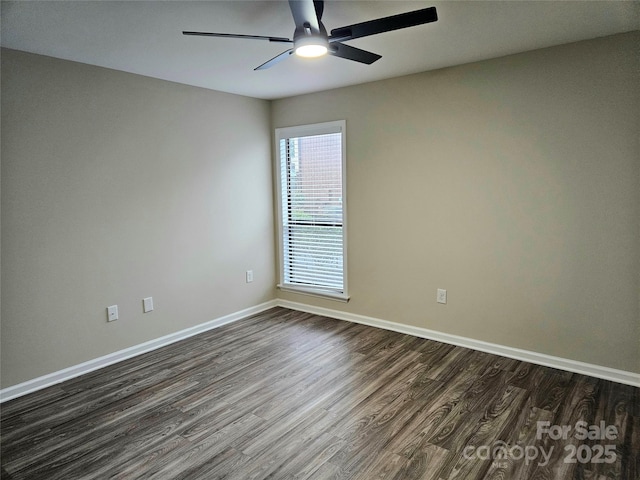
pixel 339 297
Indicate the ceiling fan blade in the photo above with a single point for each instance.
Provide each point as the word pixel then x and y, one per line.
pixel 341 50
pixel 386 24
pixel 277 59
pixel 233 35
pixel 319 6
pixel 304 12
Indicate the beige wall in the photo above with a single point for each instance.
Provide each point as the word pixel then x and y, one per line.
pixel 117 187
pixel 513 183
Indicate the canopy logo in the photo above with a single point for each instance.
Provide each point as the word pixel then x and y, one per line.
pixel 500 452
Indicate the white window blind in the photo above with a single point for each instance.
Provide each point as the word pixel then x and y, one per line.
pixel 312 208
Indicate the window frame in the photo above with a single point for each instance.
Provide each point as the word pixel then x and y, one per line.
pixel 338 126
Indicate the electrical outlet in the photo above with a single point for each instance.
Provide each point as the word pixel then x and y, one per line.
pixel 441 296
pixel 249 276
pixel 147 304
pixel 112 313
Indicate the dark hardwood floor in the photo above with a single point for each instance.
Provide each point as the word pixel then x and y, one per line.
pixel 290 395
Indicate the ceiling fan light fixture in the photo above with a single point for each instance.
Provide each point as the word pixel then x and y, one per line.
pixel 311 46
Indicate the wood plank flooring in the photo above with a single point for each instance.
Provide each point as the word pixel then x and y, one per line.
pixel 290 395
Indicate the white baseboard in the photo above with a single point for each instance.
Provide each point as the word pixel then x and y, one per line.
pixel 606 373
pixel 100 362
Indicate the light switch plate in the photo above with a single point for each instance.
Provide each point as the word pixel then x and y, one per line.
pixel 147 304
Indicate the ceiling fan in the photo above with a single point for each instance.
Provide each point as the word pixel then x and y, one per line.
pixel 310 38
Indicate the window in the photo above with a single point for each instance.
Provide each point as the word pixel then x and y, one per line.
pixel 312 209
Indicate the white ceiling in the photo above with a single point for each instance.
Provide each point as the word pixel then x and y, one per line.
pixel 144 37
